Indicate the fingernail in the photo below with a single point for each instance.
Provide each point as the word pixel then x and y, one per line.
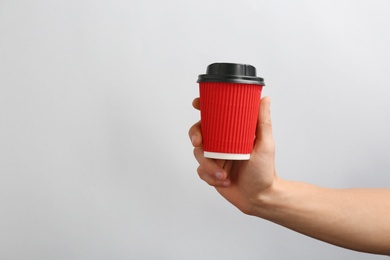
pixel 219 175
pixel 226 183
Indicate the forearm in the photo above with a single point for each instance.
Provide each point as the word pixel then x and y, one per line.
pixel 358 219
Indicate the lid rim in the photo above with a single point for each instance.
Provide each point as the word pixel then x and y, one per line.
pixel 231 72
pixel 230 78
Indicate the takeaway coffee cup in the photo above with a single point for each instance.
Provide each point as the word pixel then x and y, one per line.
pixel 229 104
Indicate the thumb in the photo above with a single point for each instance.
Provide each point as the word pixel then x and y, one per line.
pixel 264 137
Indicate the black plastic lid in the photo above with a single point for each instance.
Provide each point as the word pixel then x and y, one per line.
pixel 231 72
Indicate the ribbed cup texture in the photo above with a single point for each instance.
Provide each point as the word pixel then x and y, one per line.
pixel 229 115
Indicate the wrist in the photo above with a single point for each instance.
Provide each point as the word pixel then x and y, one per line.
pixel 266 204
pixel 289 203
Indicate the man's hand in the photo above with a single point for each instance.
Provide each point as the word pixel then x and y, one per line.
pixel 240 182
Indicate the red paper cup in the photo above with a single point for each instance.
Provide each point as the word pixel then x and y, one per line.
pixel 229 104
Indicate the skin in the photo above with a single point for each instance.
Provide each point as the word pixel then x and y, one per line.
pixel 357 219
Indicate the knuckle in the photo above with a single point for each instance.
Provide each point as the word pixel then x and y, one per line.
pixel 266 123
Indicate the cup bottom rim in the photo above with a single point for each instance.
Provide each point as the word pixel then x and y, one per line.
pixel 227 156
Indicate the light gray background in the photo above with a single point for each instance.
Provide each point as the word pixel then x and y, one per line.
pixel 95 105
